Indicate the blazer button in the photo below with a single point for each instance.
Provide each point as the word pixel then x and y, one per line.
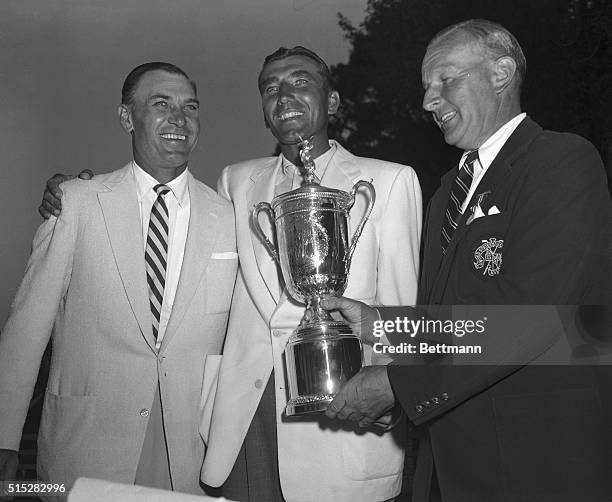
pixel 258 383
pixel 427 404
pixel 435 400
pixel 277 333
pixel 419 408
pixel 444 396
pixel 144 412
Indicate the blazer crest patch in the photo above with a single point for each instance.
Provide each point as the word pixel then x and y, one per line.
pixel 488 256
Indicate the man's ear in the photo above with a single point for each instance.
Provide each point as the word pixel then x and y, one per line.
pixel 504 73
pixel 333 102
pixel 125 118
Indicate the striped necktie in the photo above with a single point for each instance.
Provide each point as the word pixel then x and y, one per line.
pixel 156 254
pixel 458 193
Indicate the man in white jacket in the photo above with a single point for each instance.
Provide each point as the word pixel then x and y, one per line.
pixel 252 448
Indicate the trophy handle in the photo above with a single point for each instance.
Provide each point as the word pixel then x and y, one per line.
pixel 266 207
pixel 359 229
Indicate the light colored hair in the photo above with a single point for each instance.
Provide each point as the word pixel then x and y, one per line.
pixel 494 38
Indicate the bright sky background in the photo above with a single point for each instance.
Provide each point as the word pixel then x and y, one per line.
pixel 62 64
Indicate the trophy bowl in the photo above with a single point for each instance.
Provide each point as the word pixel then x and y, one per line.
pixel 314 253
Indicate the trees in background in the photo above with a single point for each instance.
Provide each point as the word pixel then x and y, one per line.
pixel 568 45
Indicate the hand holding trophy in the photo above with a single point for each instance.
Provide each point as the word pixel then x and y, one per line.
pixel 315 254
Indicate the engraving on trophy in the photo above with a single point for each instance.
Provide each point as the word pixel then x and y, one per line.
pixel 312 246
pixel 315 254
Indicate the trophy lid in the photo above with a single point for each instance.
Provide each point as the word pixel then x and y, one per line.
pixel 312 188
pixel 314 193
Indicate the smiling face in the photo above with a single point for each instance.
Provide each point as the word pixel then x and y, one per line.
pixel 163 119
pixel 459 82
pixel 296 101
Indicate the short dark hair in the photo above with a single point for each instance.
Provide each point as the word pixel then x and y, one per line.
pixel 298 50
pixel 131 81
pixel 494 38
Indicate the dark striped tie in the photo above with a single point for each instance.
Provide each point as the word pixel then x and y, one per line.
pixel 458 193
pixel 156 254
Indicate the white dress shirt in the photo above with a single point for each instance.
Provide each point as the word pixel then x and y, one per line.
pixel 487 153
pixel 290 176
pixel 177 201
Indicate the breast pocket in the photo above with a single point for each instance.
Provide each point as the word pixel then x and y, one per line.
pixel 220 279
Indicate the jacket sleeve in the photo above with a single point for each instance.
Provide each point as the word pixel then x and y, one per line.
pixel 427 386
pixel 31 318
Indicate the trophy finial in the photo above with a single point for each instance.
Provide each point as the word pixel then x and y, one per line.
pixel 307 160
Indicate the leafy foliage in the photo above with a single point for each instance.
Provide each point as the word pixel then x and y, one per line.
pixel 568 45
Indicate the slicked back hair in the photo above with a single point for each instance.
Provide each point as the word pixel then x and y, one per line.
pixel 494 38
pixel 131 81
pixel 298 50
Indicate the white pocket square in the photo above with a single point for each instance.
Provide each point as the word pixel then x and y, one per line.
pixel 479 213
pixel 228 255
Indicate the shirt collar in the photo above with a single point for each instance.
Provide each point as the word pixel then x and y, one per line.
pixel 321 162
pixel 145 183
pixel 491 147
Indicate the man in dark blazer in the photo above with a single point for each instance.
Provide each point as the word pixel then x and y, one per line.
pixel 524 221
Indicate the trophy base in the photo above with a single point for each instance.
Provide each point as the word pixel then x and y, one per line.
pixel 320 359
pixel 303 405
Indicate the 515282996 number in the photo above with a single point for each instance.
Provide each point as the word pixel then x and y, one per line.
pixel 30 488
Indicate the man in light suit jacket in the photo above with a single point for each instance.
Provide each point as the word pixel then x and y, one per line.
pixel 132 317
pixel 532 229
pixel 252 449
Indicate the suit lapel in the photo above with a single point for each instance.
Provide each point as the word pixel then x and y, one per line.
pixel 201 232
pixel 342 172
pixel 515 147
pixel 501 166
pixel 124 228
pixel 262 190
pixel 432 254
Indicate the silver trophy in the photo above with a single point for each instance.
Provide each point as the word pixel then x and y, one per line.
pixel 315 256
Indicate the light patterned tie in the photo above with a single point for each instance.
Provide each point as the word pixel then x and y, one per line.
pixel 156 254
pixel 459 191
